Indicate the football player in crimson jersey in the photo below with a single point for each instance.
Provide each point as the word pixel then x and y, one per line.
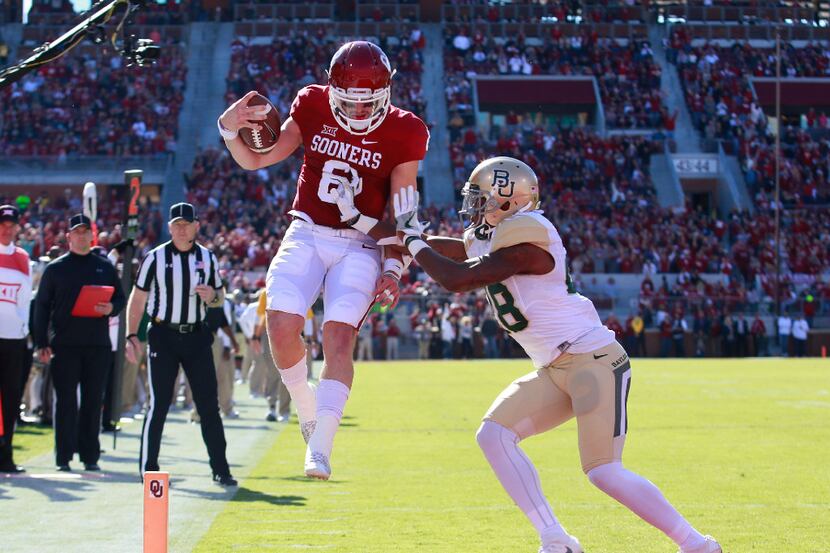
pixel 357 142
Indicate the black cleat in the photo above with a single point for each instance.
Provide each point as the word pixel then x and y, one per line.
pixel 225 480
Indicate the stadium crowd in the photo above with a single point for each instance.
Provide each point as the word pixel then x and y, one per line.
pixel 627 75
pixel 721 102
pixel 66 108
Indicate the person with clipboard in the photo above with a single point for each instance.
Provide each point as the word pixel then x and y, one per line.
pixel 77 294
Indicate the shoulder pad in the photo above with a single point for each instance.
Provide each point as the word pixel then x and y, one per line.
pixel 520 229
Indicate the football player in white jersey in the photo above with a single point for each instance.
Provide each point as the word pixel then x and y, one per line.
pixel 516 254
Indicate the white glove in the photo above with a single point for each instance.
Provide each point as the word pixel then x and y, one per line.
pixel 344 197
pixel 405 203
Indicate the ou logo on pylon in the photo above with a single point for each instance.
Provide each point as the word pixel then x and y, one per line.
pixel 156 488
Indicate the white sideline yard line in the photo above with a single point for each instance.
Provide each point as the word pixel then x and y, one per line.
pixel 54 512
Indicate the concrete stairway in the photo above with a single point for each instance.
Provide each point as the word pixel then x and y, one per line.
pixel 208 61
pixel 438 185
pixel 685 134
pixel 669 191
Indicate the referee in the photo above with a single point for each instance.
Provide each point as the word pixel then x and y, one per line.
pixel 176 283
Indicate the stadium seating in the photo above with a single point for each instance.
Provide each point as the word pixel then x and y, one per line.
pixel 68 107
pixel 280 66
pixel 627 76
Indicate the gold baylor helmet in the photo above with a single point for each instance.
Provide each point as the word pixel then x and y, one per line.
pixel 497 188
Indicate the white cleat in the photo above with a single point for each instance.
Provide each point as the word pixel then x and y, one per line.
pixel 565 544
pixel 307 429
pixel 317 465
pixel 711 546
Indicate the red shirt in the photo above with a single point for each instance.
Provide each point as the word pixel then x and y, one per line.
pixel 366 161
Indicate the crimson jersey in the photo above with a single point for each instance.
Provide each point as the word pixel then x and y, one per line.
pixel 332 153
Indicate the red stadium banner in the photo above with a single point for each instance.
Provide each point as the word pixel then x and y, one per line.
pixel 801 92
pixel 537 92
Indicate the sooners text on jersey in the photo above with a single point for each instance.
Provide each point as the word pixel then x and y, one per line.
pixel 366 162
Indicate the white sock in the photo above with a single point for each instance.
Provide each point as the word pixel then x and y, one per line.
pixel 694 542
pixel 519 478
pixel 302 394
pixel 646 501
pixel 331 400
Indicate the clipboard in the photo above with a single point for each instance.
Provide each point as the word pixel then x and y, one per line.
pixel 90 296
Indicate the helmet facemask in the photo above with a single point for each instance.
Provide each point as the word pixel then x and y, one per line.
pixel 359 111
pixel 472 205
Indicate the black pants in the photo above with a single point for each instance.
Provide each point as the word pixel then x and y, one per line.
pixel 77 429
pixel 167 350
pixel 12 354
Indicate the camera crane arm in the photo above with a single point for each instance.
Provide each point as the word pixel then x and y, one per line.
pixel 139 51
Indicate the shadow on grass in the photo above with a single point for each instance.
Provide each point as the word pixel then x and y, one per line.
pixel 245 495
pixel 241 495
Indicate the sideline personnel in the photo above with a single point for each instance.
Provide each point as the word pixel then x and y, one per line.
pixel 79 347
pixel 176 283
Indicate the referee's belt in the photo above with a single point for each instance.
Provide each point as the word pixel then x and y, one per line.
pixel 180 328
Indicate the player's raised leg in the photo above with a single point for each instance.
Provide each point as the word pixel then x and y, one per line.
pixel 293 283
pixel 530 405
pixel 289 356
pixel 348 295
pixel 598 383
pixel 332 394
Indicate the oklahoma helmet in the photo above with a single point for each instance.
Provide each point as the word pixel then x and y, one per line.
pixel 360 80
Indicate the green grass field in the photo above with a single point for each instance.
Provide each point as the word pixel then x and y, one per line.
pixel 31 441
pixel 740 447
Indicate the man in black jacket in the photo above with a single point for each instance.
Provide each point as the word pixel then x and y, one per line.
pixel 79 347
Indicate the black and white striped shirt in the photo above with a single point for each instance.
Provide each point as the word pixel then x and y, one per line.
pixel 171 277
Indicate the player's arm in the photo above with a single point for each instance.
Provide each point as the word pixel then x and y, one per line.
pixel 396 258
pixel 471 274
pixel 447 246
pixel 402 175
pixel 135 310
pixel 462 276
pixel 239 115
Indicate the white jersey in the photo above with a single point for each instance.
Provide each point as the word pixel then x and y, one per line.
pixel 15 292
pixel 544 313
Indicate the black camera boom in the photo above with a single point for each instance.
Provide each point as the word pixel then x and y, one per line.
pixel 137 51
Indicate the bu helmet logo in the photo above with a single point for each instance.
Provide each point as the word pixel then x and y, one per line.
pixel 502 183
pixel 156 488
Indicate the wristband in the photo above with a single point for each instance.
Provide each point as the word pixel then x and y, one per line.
pixel 393 266
pixel 415 244
pixel 363 223
pixel 226 134
pixel 132 336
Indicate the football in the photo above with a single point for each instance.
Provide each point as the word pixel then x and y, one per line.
pixel 263 140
